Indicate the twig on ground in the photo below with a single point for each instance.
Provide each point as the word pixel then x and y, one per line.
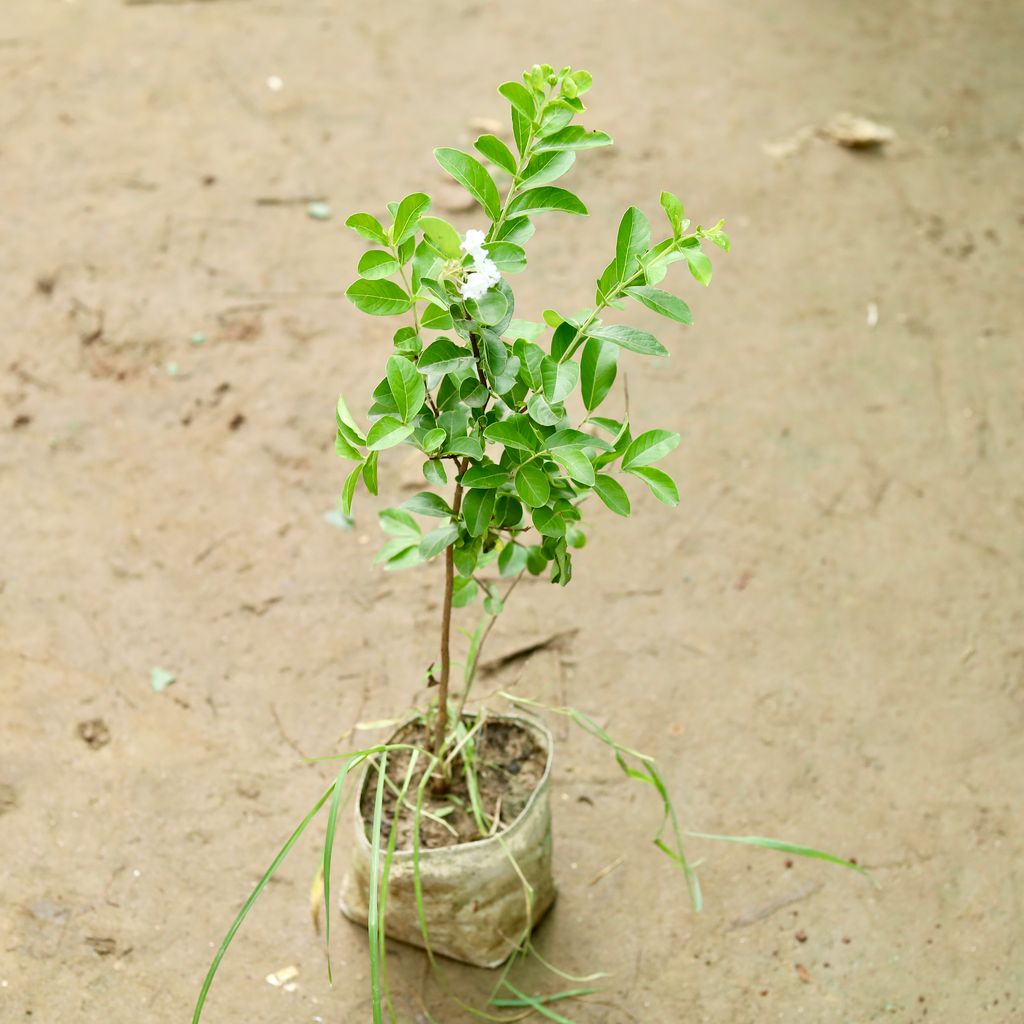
pixel 520 653
pixel 767 909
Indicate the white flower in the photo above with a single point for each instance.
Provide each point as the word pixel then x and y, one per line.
pixel 473 244
pixel 483 274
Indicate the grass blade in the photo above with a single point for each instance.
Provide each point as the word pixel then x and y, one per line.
pixel 253 896
pixel 332 821
pixel 372 917
pixel 385 878
pixel 555 997
pixel 536 1005
pixel 565 975
pixel 783 847
pixel 647 773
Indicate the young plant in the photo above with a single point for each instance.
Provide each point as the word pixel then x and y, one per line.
pixel 505 410
pixel 505 413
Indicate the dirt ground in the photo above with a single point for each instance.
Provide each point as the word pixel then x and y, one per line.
pixel 824 642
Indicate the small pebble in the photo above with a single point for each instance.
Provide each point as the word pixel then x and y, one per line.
pixel 512 767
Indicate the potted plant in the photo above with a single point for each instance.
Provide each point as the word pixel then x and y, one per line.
pixel 452 827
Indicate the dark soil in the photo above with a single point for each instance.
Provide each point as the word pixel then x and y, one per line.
pixel 509 762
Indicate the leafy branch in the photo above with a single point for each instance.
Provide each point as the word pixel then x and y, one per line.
pixel 483 395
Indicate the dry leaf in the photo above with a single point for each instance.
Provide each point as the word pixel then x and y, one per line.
pixel 283 976
pixel 855 132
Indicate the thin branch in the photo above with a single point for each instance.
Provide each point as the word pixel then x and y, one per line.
pixel 471 677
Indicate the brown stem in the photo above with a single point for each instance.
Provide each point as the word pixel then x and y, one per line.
pixel 441 726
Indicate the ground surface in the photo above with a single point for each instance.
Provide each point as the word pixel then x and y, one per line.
pixel 824 642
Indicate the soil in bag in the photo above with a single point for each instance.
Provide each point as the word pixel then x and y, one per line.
pixel 509 765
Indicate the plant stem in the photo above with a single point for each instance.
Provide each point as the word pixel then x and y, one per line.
pixel 441 725
pixel 471 675
pixel 521 162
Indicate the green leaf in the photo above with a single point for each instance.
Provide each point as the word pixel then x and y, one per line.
pixel 386 433
pixel 543 412
pixel 437 540
pixel 369 227
pixel 516 229
pixel 662 486
pixel 633 239
pixel 433 439
pixel 674 211
pixel 407 387
pixel 443 236
pixel 346 424
pixel 558 378
pixel 573 137
pixel 548 522
pixel 497 152
pixel 486 476
pixel 370 472
pixel 508 257
pixel 508 512
pixel 490 308
pixel 473 177
pixel 406 341
pixel 546 167
pixel 561 567
pixel 434 318
pixel 612 493
pixel 396 548
pixel 426 503
pixel 344 448
pixel 631 338
pixel 575 464
pixel 557 114
pixel 536 559
pixel 525 329
pixel 404 559
pixel 407 217
pixel 532 485
pixel 521 130
pixel 520 97
pixel 406 250
pixel 477 508
pixel 434 472
pixel 378 298
pixel 348 491
pixel 700 266
pixel 598 367
pixel 512 559
pixel 531 359
pixel 376 264
pixel 548 197
pixel 514 432
pixel 396 522
pixel 470 446
pixel 444 356
pixel 649 447
pixel 466 557
pixel 661 302
pixel 463 591
pixel 583 79
pixel 571 438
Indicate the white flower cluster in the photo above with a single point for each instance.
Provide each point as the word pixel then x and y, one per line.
pixel 484 273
